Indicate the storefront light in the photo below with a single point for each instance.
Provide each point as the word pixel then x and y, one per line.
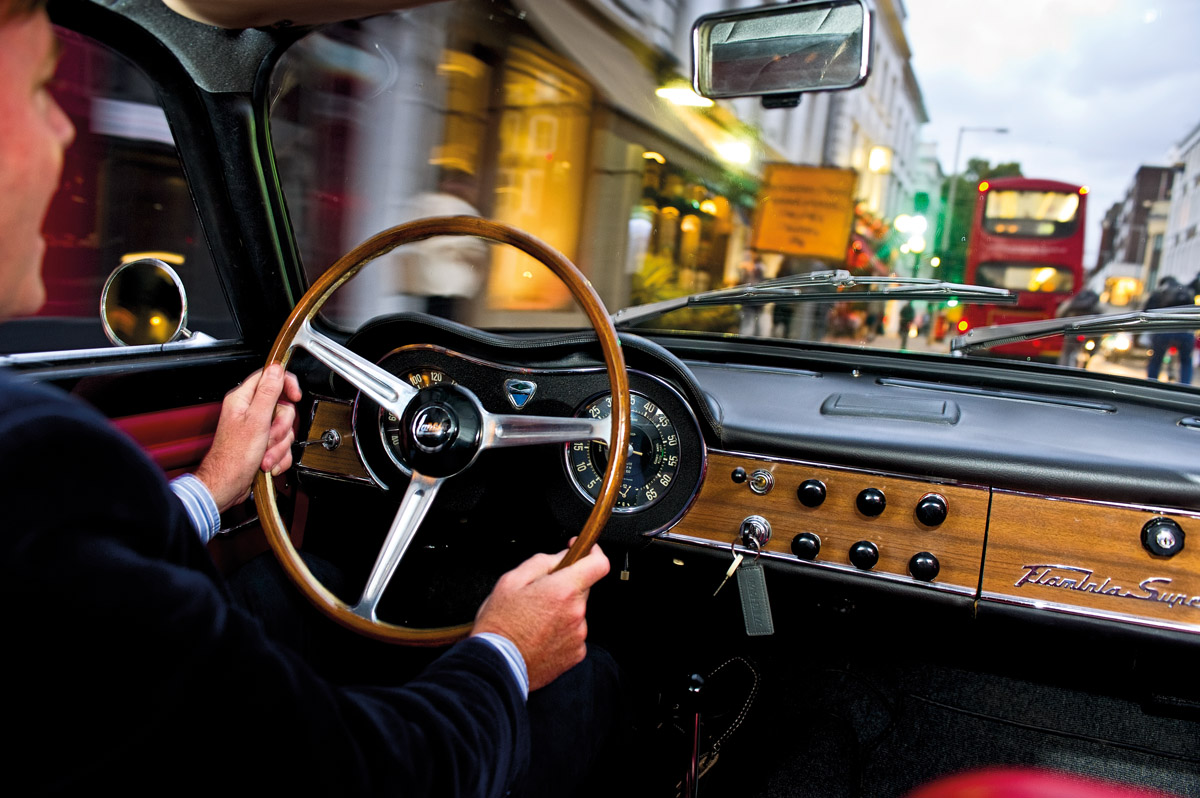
pixel 879 160
pixel 681 94
pixel 737 152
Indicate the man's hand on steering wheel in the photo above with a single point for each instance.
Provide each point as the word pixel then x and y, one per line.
pixel 542 611
pixel 254 432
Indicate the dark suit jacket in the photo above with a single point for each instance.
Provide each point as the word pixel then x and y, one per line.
pixel 129 666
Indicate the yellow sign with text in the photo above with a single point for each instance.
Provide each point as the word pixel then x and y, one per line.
pixel 805 210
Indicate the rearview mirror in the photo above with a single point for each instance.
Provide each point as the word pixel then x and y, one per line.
pixel 819 45
pixel 143 302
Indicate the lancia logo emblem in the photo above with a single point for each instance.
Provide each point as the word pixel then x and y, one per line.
pixel 519 392
pixel 433 428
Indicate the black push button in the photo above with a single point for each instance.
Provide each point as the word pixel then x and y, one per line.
pixel 811 492
pixel 806 546
pixel 871 502
pixel 864 554
pixel 931 510
pixel 924 566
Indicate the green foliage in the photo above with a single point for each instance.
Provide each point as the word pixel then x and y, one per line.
pixel 954 259
pixel 658 279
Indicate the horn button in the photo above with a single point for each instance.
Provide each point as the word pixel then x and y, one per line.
pixel 441 430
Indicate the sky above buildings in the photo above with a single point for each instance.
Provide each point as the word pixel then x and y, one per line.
pixel 1089 90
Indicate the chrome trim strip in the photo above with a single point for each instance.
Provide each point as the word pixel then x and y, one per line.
pixel 957 590
pixel 851 470
pixel 198 341
pixel 1088 612
pixel 335 475
pixel 1145 508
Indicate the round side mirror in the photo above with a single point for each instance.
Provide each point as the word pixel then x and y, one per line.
pixel 144 302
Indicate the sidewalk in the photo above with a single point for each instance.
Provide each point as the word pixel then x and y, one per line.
pixel 891 341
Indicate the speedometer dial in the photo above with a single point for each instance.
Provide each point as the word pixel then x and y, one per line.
pixel 653 460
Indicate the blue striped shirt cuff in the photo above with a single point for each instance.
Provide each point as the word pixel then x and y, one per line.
pixel 512 656
pixel 200 505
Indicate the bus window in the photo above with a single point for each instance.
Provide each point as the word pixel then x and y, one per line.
pixel 1034 214
pixel 1026 277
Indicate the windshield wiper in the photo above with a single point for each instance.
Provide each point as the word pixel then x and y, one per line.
pixel 821 286
pixel 1184 317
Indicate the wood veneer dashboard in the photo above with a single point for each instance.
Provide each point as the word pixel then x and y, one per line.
pixel 1048 481
pixel 1078 557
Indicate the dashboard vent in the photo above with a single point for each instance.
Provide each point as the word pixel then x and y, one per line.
pixel 929 411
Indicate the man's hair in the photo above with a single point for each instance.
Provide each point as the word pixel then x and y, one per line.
pixel 17 9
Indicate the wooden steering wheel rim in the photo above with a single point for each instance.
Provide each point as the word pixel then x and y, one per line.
pixel 312 301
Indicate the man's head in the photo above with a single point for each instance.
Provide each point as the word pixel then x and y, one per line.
pixel 34 131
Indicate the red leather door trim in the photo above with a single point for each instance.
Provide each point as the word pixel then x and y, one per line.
pixel 175 439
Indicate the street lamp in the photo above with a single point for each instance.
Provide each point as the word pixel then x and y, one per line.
pixel 954 180
pixel 914 227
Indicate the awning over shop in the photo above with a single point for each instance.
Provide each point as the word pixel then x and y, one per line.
pixel 626 85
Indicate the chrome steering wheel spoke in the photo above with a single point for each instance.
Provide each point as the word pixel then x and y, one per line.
pixel 389 391
pixel 413 507
pixel 502 431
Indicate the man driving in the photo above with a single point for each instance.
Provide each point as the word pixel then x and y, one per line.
pixel 131 666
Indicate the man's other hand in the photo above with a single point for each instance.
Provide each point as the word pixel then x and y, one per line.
pixel 254 432
pixel 543 613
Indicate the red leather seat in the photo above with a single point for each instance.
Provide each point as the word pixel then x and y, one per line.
pixel 1028 783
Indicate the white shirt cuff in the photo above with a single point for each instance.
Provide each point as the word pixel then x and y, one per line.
pixel 200 505
pixel 512 656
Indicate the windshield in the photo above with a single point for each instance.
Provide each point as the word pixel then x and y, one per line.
pixel 993 144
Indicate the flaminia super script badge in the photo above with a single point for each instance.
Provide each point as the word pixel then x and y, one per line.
pixel 1084 580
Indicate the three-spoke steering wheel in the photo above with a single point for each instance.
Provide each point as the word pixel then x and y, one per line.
pixel 444 430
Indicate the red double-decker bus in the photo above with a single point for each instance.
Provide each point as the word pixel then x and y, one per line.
pixel 1026 236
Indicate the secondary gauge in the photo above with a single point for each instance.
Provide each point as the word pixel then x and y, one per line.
pixel 389 425
pixel 652 463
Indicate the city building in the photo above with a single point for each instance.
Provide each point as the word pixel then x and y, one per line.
pixel 1132 234
pixel 873 131
pixel 572 119
pixel 1180 244
pixel 1108 232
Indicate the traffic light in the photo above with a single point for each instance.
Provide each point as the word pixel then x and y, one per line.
pixel 921 202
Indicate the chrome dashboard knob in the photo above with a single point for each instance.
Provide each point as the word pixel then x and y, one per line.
pixel 1162 537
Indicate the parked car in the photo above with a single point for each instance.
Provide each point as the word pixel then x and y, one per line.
pixel 886 564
